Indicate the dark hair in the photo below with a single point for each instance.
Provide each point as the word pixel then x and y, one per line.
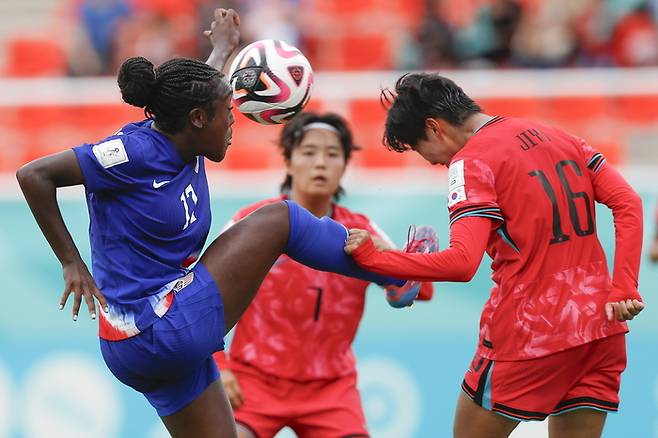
pixel 293 134
pixel 417 97
pixel 169 92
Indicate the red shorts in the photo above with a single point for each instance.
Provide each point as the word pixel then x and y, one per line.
pixel 315 409
pixel 587 376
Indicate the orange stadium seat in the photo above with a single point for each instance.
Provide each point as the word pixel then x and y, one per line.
pixel 366 52
pixel 638 109
pixel 511 106
pixel 367 121
pixel 35 56
pixel 575 109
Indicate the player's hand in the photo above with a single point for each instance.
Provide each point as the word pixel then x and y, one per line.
pixel 224 33
pixel 356 238
pixel 653 252
pixel 232 388
pixel 380 243
pixel 79 282
pixel 623 310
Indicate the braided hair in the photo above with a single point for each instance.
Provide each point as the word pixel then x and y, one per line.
pixel 293 134
pixel 169 92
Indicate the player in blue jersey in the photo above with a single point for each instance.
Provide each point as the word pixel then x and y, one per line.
pixel 149 210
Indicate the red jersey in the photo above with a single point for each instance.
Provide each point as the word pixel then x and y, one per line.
pixel 537 185
pixel 302 322
pixel 550 274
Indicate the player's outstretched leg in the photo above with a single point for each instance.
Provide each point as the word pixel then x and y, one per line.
pixel 240 257
pixel 238 261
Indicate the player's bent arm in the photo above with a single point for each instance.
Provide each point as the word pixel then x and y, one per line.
pixel 459 262
pixel 612 190
pixel 39 181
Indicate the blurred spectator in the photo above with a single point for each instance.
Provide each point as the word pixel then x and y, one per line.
pixel 273 19
pixel 92 45
pixel 435 38
pixel 546 37
pixel 635 39
pixel 428 34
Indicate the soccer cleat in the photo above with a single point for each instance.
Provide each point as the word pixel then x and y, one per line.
pixel 419 240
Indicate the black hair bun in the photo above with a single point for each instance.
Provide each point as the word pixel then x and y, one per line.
pixel 137 81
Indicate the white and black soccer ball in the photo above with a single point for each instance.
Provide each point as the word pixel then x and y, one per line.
pixel 271 81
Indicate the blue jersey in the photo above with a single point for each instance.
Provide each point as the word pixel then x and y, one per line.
pixel 149 218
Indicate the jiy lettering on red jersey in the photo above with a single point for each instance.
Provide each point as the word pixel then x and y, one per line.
pixel 531 138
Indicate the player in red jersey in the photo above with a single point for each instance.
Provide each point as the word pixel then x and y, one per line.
pixel 291 361
pixel 552 332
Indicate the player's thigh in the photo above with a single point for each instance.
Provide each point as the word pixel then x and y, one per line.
pixel 581 423
pixel 208 416
pixel 240 257
pixel 473 421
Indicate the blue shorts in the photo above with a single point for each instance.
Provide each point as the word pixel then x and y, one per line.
pixel 171 362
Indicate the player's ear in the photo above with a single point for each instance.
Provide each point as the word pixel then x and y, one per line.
pixel 198 117
pixel 432 128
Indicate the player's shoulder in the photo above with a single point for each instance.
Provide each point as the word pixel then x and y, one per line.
pixel 246 211
pixel 127 144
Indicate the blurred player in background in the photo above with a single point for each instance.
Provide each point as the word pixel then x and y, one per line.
pixel 552 332
pixel 291 362
pixel 149 209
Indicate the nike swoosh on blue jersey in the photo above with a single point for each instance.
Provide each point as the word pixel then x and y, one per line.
pixel 157 185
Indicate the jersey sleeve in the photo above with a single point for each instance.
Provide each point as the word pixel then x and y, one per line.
pixel 377 231
pixel 594 160
pixel 110 165
pixel 471 191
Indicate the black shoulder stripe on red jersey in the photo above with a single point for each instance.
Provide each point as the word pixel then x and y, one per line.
pixel 596 162
pixel 479 210
pixel 496 119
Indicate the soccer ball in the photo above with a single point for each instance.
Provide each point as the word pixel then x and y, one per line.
pixel 271 81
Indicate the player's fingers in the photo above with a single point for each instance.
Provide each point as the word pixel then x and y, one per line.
pixel 234 397
pixel 638 306
pixel 91 305
pixel 623 311
pixel 609 311
pixel 239 398
pixel 236 17
pixel 101 299
pixel 219 13
pixel 77 300
pixel 65 296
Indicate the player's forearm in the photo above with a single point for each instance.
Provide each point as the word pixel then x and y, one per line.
pixel 218 57
pixel 40 194
pixel 626 205
pixel 459 262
